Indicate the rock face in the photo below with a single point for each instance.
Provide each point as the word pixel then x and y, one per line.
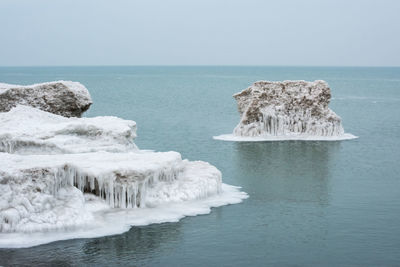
pixel 65 98
pixel 287 108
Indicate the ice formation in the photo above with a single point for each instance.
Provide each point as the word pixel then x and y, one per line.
pixel 288 110
pixel 66 98
pixel 38 191
pixel 65 178
pixel 28 130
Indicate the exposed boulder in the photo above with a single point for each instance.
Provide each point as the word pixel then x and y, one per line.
pixel 65 98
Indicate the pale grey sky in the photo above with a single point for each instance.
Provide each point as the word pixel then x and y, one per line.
pixel 200 32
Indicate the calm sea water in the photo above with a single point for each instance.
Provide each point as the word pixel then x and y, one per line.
pixel 311 203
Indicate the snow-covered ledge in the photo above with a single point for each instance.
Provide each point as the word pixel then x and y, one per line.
pixel 288 110
pixel 28 130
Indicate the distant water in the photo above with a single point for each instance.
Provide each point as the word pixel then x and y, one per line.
pixel 311 203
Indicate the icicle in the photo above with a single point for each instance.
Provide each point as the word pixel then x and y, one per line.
pixel 127 191
pixel 278 125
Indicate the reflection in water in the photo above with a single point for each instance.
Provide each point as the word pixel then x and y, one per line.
pixel 292 171
pixel 138 244
pixel 134 246
pixel 288 184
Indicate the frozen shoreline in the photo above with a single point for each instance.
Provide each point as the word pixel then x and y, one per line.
pixel 266 138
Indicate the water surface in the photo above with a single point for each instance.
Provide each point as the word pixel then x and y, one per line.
pixel 311 203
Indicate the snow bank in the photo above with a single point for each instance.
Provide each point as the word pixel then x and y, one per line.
pixel 66 98
pixel 288 110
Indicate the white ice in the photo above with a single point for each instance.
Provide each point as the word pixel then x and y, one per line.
pixel 293 137
pixel 63 178
pixel 30 130
pixel 106 221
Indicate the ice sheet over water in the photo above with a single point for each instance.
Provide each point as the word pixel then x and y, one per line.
pixel 106 221
pixel 293 137
pixel 64 178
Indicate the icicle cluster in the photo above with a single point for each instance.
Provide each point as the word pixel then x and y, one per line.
pixel 118 190
pixel 42 192
pixel 279 125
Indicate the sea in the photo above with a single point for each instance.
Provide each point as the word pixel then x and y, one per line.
pixel 311 203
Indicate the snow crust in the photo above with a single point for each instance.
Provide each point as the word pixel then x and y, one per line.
pixel 288 110
pixel 73 86
pixel 27 130
pixel 64 178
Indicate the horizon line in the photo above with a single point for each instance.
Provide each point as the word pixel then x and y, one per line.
pixel 204 65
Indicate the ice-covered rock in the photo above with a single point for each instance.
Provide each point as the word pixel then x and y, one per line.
pixel 34 188
pixel 28 130
pixel 84 177
pixel 65 98
pixel 286 110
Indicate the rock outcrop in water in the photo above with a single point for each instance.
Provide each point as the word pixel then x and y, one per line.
pixel 287 108
pixel 65 98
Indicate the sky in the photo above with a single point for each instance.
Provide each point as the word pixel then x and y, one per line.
pixel 200 32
